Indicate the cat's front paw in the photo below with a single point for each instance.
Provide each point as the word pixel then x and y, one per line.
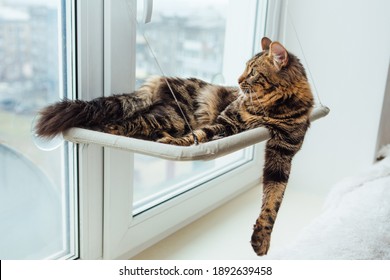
pixel 181 141
pixel 112 129
pixel 260 240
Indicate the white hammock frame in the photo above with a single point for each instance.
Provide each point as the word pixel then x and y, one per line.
pixel 203 151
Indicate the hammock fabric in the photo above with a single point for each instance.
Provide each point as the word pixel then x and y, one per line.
pixel 204 151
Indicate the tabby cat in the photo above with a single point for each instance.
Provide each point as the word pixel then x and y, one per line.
pixel 273 92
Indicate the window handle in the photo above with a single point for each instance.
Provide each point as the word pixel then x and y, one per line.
pixel 148 8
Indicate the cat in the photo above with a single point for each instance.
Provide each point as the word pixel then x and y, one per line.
pixel 273 92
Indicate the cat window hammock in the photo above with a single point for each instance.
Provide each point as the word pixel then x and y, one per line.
pixel 204 151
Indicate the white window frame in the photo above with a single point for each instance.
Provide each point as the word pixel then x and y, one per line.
pixel 89 68
pixel 69 150
pixel 105 65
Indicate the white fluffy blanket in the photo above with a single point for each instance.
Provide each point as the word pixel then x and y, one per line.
pixel 355 223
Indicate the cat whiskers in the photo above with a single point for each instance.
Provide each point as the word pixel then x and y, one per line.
pixel 246 92
pixel 253 106
pixel 242 94
pixel 250 93
pixel 260 104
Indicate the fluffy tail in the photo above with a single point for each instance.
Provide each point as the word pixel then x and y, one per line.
pixel 65 114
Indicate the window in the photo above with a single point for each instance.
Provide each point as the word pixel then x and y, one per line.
pixel 187 39
pixel 37 188
pixel 95 202
pixel 146 199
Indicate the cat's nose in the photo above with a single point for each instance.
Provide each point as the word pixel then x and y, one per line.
pixel 241 79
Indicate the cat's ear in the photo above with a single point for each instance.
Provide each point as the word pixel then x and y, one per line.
pixel 265 42
pixel 279 55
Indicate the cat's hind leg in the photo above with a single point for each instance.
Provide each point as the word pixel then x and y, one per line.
pixel 141 100
pixel 149 126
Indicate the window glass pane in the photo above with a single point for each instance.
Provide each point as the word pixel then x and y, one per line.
pixel 187 38
pixel 36 214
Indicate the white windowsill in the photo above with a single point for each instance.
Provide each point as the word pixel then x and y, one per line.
pixel 225 232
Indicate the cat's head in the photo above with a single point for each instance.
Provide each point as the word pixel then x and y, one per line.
pixel 271 69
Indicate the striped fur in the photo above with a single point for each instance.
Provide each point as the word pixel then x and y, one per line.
pixel 149 113
pixel 273 92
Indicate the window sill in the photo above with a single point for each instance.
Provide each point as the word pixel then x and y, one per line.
pixel 202 238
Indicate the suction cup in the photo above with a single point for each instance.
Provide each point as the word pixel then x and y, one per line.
pixel 42 143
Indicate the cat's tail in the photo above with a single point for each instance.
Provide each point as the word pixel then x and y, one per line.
pixel 93 114
pixel 60 116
